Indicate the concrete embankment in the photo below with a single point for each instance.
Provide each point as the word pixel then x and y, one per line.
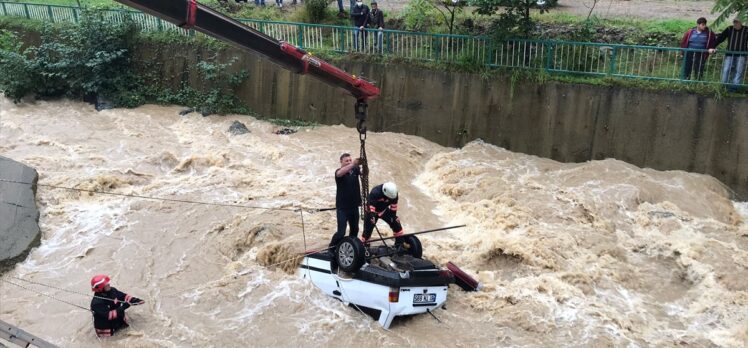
pixel 663 130
pixel 19 217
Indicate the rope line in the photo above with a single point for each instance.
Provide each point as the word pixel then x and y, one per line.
pixel 45 294
pixel 300 255
pixel 314 210
pixel 62 289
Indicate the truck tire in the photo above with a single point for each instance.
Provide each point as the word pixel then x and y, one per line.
pixel 350 254
pixel 412 246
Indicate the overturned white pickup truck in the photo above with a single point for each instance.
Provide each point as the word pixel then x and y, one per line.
pixel 384 281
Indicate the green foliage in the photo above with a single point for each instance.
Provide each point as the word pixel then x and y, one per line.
pixel 221 97
pixel 514 20
pixel 17 78
pixel 30 24
pixel 94 58
pixel 730 8
pixel 469 62
pixel 239 10
pixel 89 59
pixel 83 3
pixel 417 15
pixel 316 10
pixel 9 41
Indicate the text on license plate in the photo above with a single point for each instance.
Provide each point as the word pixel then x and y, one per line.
pixel 424 298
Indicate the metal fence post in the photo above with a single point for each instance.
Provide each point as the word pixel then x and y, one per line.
pixel 160 24
pixel 613 56
pixel 5 11
pixel 300 35
pixel 389 42
pixel 341 37
pixel 26 9
pixel 261 27
pixel 75 14
pixel 436 44
pixel 490 48
pixel 549 57
pixel 683 68
pixel 51 16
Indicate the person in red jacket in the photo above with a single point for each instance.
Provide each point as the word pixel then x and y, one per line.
pixel 700 41
pixel 108 306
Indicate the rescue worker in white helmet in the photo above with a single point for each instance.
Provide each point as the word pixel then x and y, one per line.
pixel 382 205
pixel 108 306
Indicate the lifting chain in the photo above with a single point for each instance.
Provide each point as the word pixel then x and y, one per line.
pixel 361 127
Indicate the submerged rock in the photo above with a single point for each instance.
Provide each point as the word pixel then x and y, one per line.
pixel 19 217
pixel 102 103
pixel 285 131
pixel 238 128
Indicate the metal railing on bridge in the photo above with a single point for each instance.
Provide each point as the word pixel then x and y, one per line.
pixel 551 56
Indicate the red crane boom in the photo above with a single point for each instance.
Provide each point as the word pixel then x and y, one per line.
pixel 190 14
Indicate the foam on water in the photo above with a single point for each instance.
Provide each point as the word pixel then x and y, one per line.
pixel 590 254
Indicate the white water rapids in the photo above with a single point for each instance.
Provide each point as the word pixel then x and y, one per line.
pixel 575 255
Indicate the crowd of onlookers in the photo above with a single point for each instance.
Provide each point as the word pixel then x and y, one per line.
pixel 700 42
pixel 363 18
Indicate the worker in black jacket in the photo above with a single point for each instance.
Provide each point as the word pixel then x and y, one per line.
pixel 737 50
pixel 108 306
pixel 360 17
pixel 347 197
pixel 382 205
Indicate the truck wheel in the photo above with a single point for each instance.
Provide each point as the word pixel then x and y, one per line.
pixel 412 246
pixel 350 254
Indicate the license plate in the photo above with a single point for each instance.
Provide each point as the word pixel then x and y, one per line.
pixel 424 298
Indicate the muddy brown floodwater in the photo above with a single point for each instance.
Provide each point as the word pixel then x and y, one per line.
pixel 574 255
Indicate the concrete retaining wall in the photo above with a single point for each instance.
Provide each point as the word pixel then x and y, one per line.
pixel 566 122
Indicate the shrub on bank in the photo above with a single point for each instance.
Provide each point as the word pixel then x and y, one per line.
pixel 94 60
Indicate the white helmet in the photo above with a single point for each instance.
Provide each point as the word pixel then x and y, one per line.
pixel 390 190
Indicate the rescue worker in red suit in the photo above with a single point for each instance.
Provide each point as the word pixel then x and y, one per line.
pixel 108 306
pixel 382 205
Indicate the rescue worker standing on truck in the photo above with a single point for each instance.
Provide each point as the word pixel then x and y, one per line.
pixel 108 306
pixel 382 205
pixel 347 197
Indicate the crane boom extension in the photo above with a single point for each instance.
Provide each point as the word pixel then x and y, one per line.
pixel 191 14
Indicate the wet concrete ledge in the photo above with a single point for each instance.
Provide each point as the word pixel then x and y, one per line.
pixel 19 217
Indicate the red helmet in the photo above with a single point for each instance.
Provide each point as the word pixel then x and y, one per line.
pixel 98 282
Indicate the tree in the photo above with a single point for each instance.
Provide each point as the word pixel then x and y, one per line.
pixel 591 7
pixel 452 6
pixel 513 21
pixel 730 8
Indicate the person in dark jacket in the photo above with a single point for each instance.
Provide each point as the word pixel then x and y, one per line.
pixel 347 197
pixel 701 41
pixel 360 17
pixel 737 49
pixel 382 205
pixel 108 306
pixel 376 21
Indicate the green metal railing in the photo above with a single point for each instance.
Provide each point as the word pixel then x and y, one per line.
pixel 558 57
